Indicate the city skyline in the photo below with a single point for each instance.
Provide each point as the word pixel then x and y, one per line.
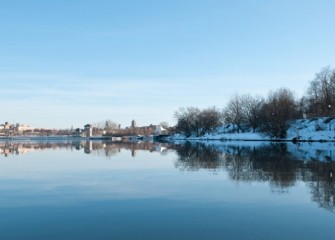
pixel 68 63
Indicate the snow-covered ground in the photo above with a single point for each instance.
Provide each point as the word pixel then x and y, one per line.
pixel 317 129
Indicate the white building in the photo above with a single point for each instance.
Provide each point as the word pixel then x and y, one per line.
pixel 159 130
pixel 88 129
pixel 22 127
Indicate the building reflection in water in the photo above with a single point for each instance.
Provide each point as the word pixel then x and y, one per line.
pixel 100 148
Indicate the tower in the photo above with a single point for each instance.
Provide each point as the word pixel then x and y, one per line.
pixel 133 124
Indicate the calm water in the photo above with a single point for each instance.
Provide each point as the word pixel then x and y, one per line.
pixel 212 190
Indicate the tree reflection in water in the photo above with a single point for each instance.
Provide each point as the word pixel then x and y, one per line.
pixel 320 178
pixel 198 156
pixel 271 163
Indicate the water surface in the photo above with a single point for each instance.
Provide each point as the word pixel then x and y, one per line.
pixel 212 190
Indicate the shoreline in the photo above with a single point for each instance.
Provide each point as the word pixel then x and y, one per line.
pixel 250 140
pixel 170 139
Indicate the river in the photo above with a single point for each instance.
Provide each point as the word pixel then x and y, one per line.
pixel 181 190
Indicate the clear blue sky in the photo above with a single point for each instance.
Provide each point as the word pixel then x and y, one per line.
pixel 67 62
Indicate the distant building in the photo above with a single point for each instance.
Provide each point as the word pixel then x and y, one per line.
pixel 16 128
pixel 159 130
pixel 133 124
pixel 77 132
pixel 7 126
pixel 22 127
pixel 2 130
pixel 88 130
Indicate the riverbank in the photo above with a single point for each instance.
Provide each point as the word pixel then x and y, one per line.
pixel 302 130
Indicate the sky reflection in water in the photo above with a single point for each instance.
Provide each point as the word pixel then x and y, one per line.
pixel 52 190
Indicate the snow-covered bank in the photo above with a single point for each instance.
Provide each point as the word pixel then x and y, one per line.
pixel 317 129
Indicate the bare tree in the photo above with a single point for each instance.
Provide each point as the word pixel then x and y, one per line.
pixel 110 125
pixel 320 95
pixel 210 119
pixel 252 108
pixel 280 108
pixel 192 120
pixel 186 120
pixel 107 125
pixel 234 113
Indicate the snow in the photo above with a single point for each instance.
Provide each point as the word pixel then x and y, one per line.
pixel 317 129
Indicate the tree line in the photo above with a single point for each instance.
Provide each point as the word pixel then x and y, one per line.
pixel 271 115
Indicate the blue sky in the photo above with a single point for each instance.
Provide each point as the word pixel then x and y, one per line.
pixel 67 63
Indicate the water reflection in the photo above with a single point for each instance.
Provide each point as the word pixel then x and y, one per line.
pixel 321 181
pixel 101 148
pixel 198 156
pixel 8 148
pixel 282 165
pixel 273 163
